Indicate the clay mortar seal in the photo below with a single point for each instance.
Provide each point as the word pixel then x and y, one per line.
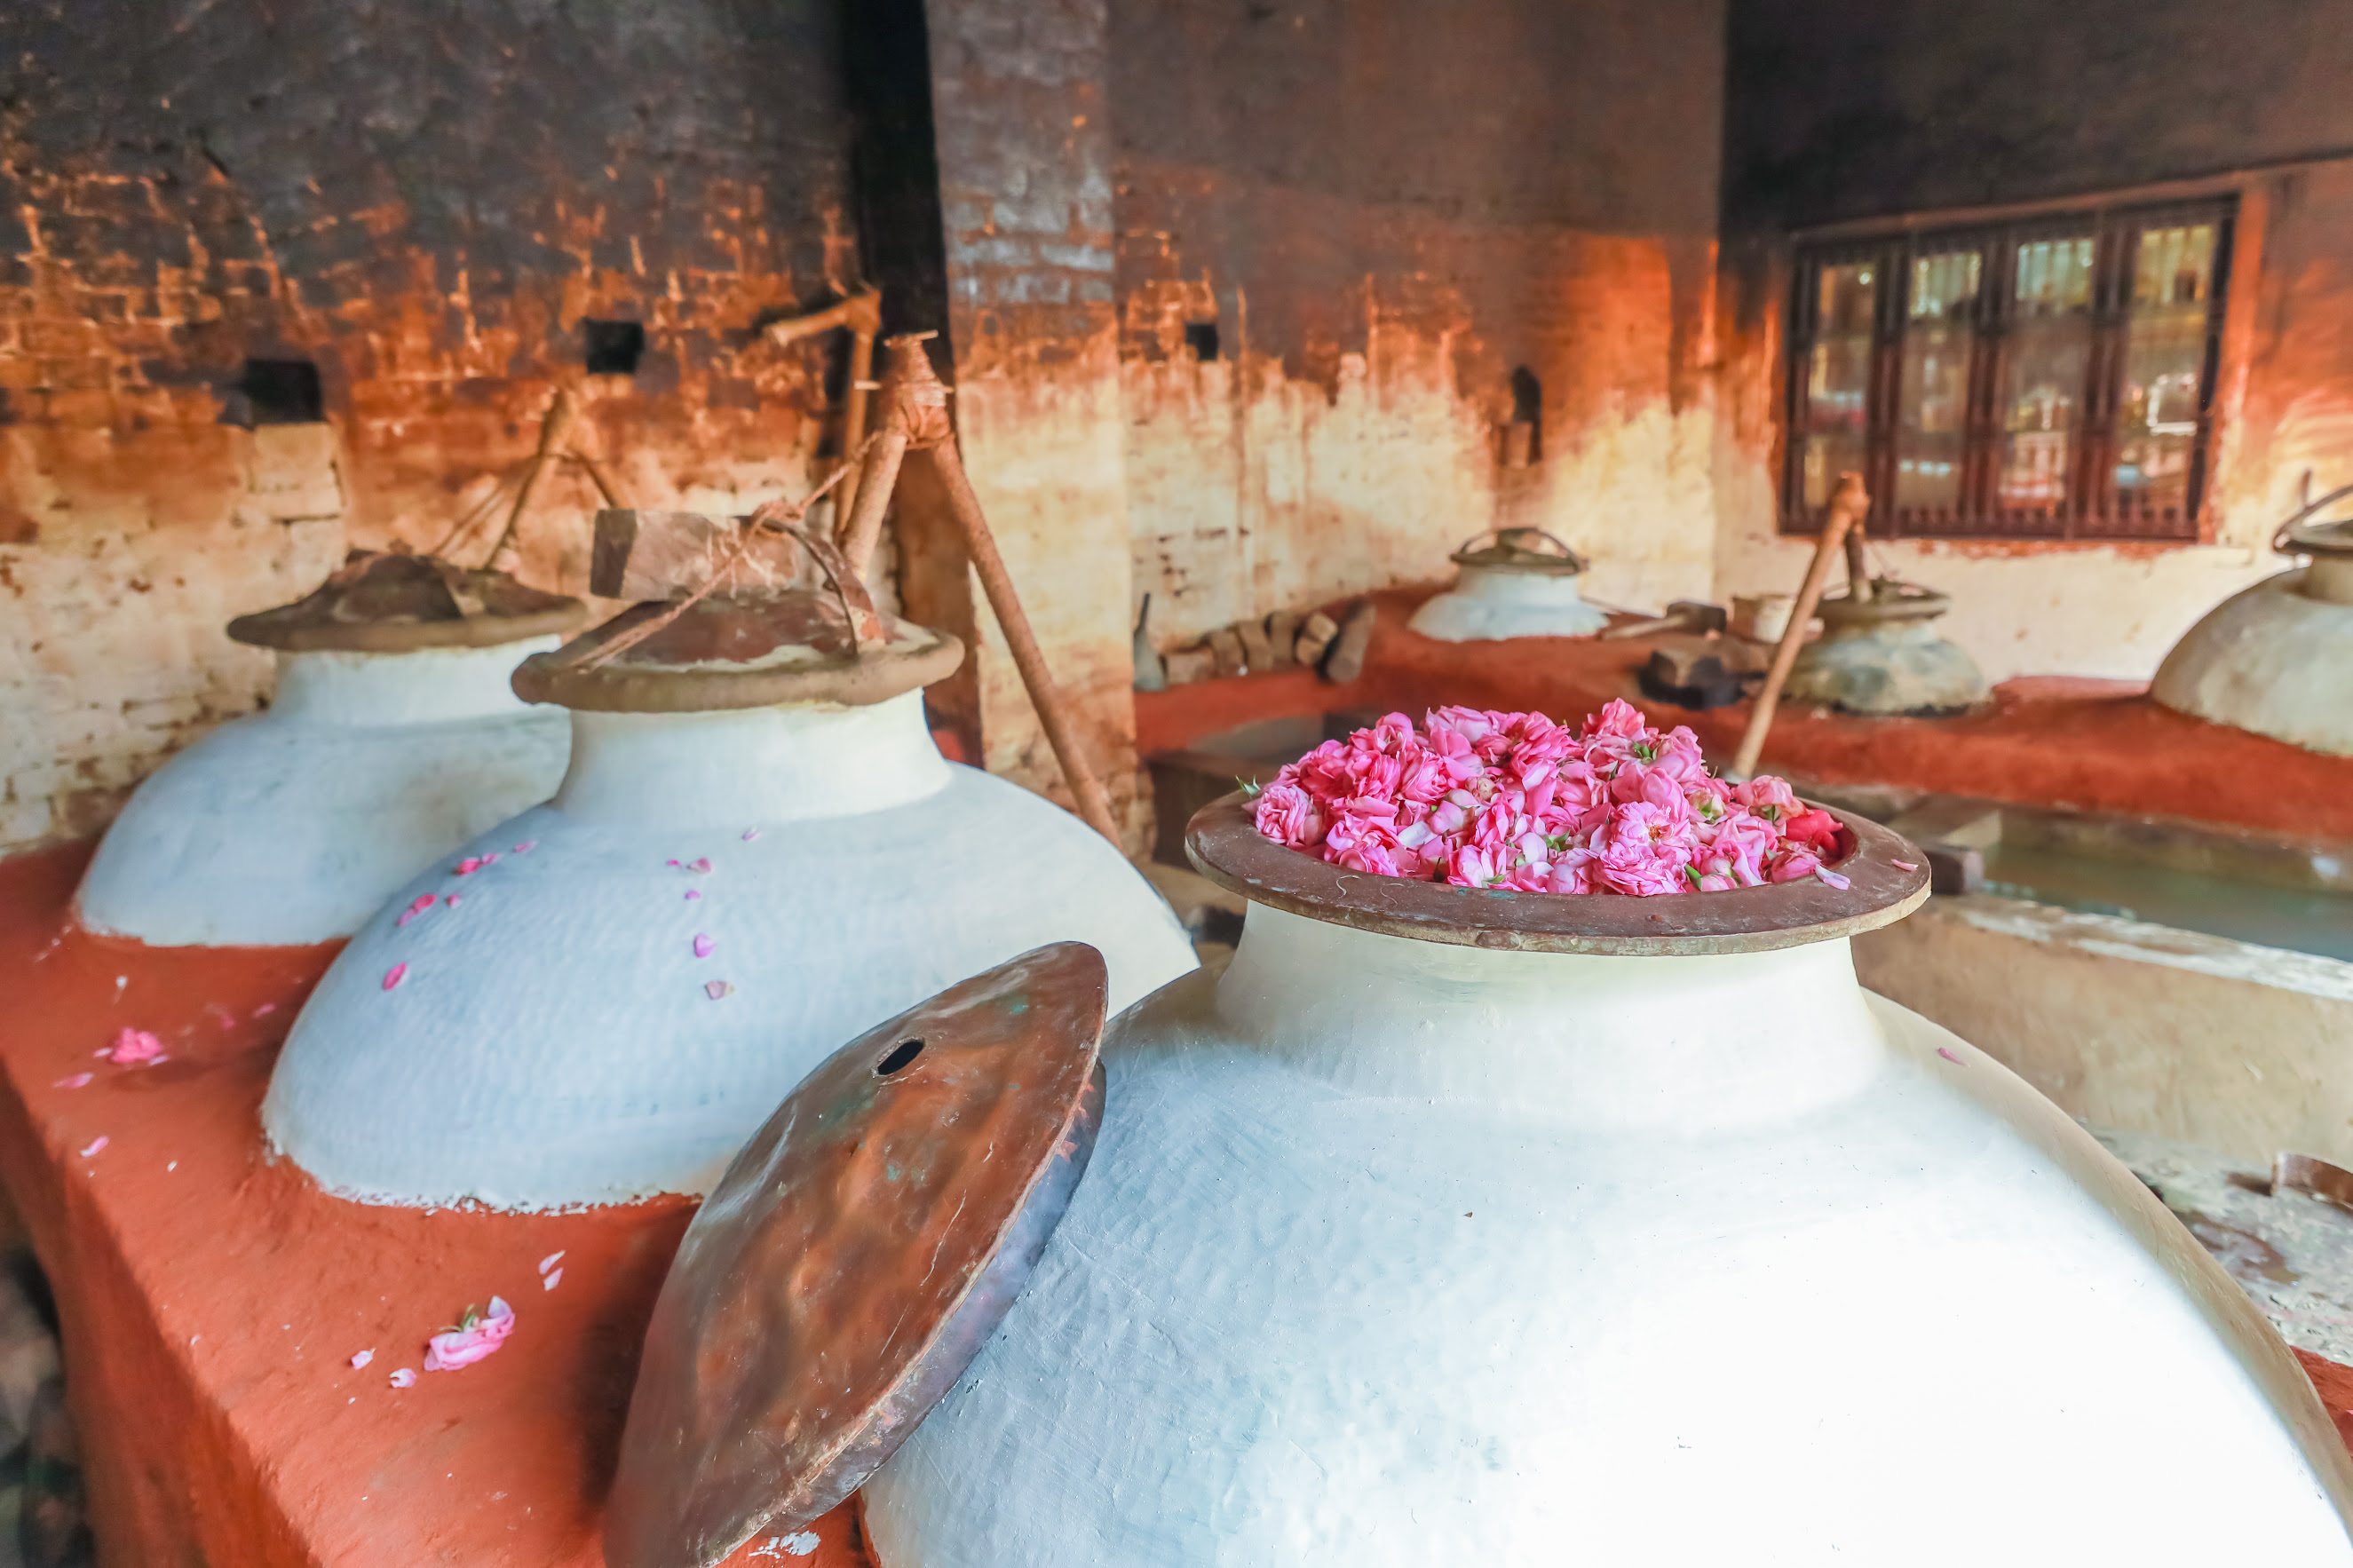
pixel 391 602
pixel 1224 843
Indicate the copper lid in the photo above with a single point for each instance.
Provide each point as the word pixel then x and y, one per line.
pixel 856 1257
pixel 1224 842
pixel 721 653
pixel 1888 601
pixel 1531 550
pixel 382 602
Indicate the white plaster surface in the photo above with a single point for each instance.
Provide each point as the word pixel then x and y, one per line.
pixel 1394 1253
pixel 2230 1046
pixel 552 1041
pixel 1485 606
pixel 294 825
pixel 2276 658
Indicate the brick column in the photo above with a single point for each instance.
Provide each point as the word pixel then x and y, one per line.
pixel 1025 157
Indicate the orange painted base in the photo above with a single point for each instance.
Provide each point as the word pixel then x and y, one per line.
pixel 212 1299
pixel 2091 745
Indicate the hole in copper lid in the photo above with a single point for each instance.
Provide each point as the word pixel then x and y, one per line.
pixel 902 1053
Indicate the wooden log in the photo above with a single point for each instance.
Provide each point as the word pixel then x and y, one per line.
pixel 1848 505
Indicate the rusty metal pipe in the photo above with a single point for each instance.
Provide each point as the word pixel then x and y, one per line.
pixel 858 536
pixel 1847 507
pixel 861 313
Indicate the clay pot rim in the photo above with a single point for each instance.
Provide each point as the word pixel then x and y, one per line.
pixel 1843 610
pixel 1223 842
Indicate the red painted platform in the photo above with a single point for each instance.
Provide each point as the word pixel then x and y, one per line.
pixel 212 1298
pixel 2090 745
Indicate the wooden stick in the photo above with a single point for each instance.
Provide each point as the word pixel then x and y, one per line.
pixel 863 313
pixel 1045 696
pixel 1847 507
pixel 552 431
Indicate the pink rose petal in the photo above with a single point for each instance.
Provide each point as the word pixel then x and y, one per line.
pixel 469 865
pixel 715 989
pixel 394 975
pixel 526 846
pixel 555 1277
pixel 670 862
pixel 404 1378
pixel 133 1045
pixel 694 892
pixel 78 1081
pixel 551 1260
pixel 1947 1055
pixel 361 1359
pixel 750 834
pixel 1831 878
pixel 701 865
pixel 702 945
pixel 472 1341
pixel 452 901
pixel 1903 865
pixel 96 1144
pixel 266 1009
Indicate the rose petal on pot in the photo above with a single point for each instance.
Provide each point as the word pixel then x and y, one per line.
pixel 551 1260
pixel 750 834
pixel 396 974
pixel 701 865
pixel 526 846
pixel 97 1144
pixel 361 1359
pixel 78 1081
pixel 715 989
pixel 702 945
pixel 555 1276
pixel 404 1378
pixel 1903 865
pixel 694 892
pixel 1948 1056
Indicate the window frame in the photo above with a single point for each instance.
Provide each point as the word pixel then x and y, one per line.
pixel 2090 509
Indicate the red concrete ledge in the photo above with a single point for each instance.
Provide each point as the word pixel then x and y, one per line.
pixel 212 1298
pixel 2084 744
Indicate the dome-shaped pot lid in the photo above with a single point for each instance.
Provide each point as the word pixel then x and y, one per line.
pixel 392 602
pixel 1887 879
pixel 1889 600
pixel 722 624
pixel 856 1257
pixel 1530 552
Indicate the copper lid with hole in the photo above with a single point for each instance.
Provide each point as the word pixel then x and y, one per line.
pixel 387 602
pixel 1528 551
pixel 1223 841
pixel 723 653
pixel 858 1254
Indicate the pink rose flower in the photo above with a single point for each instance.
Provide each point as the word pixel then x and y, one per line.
pixel 1290 815
pixel 1767 796
pixel 477 1334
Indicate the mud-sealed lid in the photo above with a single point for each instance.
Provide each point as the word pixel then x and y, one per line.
pixel 1888 600
pixel 726 624
pixel 856 1257
pixel 388 602
pixel 1530 551
pixel 2307 538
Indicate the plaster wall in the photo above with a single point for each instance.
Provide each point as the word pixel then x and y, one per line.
pixel 1343 229
pixel 2220 1043
pixel 423 203
pixel 1835 114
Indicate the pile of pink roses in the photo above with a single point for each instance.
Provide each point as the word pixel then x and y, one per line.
pixel 1517 802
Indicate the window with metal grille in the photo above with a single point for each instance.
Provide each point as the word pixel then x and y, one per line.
pixel 2048 378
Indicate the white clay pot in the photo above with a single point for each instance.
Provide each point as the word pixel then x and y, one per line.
pixel 2276 658
pixel 1397 1250
pixel 295 824
pixel 556 1040
pixel 1488 604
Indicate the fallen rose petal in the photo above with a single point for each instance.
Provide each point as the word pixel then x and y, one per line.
pixel 394 975
pixel 694 892
pixel 96 1144
pixel 702 945
pixel 404 1378
pixel 553 1279
pixel 265 1010
pixel 526 846
pixel 361 1359
pixel 670 862
pixel 472 1340
pixel 1948 1056
pixel 452 899
pixel 1903 865
pixel 1831 878
pixel 717 988
pixel 469 865
pixel 419 904
pixel 750 834
pixel 701 865
pixel 551 1260
pixel 78 1081
pixel 133 1045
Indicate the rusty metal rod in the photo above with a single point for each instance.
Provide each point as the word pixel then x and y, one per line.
pixel 863 531
pixel 1847 507
pixel 1045 695
pixel 861 313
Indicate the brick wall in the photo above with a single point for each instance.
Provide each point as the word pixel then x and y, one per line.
pixel 423 203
